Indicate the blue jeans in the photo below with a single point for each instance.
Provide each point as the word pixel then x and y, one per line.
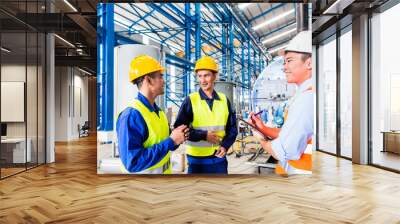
pixel 220 168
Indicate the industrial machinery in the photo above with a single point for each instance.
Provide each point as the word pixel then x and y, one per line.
pixel 271 93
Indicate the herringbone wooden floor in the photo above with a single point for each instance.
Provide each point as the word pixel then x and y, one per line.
pixel 70 191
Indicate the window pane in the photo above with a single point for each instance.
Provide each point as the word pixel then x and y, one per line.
pixel 346 94
pixel 385 89
pixel 327 96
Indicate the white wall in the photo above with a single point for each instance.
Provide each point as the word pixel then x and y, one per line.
pixel 71 94
pixel 15 73
pixel 61 105
pixel 80 109
pixel 33 126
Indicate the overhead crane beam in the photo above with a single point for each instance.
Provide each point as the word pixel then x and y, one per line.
pixel 273 8
pixel 188 42
pixel 192 25
pixel 278 29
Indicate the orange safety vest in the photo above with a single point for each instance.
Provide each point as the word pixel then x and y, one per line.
pixel 301 166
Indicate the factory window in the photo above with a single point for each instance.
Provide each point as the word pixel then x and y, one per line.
pixel 327 95
pixel 385 89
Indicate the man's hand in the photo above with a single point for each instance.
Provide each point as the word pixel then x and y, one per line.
pixel 267 146
pixel 221 152
pixel 180 134
pixel 264 129
pixel 212 137
pixel 256 121
pixel 258 135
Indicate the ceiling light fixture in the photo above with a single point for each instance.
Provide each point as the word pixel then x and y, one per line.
pixel 79 51
pixel 279 35
pixel 242 6
pixel 65 41
pixel 269 21
pixel 84 71
pixel 337 7
pixel 70 5
pixel 277 48
pixel 5 50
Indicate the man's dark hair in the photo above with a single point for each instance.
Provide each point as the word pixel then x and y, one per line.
pixel 139 81
pixel 305 56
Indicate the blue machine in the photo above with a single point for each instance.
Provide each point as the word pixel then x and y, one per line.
pixel 271 93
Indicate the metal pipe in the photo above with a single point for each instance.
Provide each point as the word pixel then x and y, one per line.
pixel 302 16
pixel 105 98
pixel 188 52
pixel 197 31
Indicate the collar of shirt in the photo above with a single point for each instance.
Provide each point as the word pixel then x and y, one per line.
pixel 300 89
pixel 203 96
pixel 146 102
pixel 305 85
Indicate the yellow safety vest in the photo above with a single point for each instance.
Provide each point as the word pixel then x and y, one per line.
pixel 158 131
pixel 207 120
pixel 301 166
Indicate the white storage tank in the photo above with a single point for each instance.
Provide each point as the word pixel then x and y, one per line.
pixel 124 90
pixel 224 87
pixel 227 88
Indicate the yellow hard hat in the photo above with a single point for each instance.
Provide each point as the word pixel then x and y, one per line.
pixel 206 62
pixel 143 65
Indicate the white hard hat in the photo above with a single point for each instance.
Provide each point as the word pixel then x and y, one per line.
pixel 300 43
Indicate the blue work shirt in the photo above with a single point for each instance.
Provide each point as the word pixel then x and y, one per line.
pixel 298 127
pixel 185 116
pixel 132 132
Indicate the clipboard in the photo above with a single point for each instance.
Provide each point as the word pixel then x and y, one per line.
pixel 254 127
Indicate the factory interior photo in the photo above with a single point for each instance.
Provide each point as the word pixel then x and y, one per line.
pixel 260 112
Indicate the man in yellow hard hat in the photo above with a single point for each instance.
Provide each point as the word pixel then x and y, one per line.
pixel 144 138
pixel 212 120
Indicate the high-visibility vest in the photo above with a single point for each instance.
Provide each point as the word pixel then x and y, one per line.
pixel 158 131
pixel 207 120
pixel 301 166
